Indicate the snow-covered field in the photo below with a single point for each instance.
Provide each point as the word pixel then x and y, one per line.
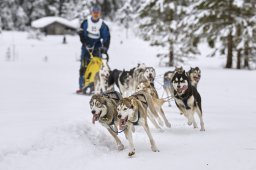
pixel 45 126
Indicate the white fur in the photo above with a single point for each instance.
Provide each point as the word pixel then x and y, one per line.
pixel 103 74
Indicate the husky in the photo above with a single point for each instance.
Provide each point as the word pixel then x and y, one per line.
pixel 132 112
pixel 178 69
pixel 168 87
pixel 103 108
pixel 187 98
pixel 101 78
pixel 150 74
pixel 121 79
pixel 194 76
pixel 148 88
pixel 136 74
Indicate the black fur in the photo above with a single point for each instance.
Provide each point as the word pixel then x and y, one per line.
pixel 191 91
pixel 113 77
pixel 123 77
pixel 117 76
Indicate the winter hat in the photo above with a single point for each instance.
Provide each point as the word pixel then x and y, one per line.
pixel 96 8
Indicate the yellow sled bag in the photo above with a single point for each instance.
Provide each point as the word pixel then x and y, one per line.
pixel 91 70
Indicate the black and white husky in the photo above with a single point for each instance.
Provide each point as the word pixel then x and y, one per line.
pixel 187 98
pixel 121 79
pixel 101 78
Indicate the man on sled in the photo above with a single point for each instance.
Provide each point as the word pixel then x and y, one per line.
pixel 95 38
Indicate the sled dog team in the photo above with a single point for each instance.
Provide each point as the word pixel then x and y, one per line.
pixel 138 101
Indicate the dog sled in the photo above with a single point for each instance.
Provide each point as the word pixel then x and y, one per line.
pixel 92 69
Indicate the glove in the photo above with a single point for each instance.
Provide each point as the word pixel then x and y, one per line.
pixel 81 36
pixel 103 50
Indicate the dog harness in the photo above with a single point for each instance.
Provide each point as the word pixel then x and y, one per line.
pixel 112 122
pixel 112 95
pixel 184 100
pixel 137 122
pixel 143 102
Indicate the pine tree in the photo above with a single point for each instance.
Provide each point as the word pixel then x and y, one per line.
pixel 125 15
pixel 247 44
pixel 222 21
pixel 20 18
pixel 34 9
pixel 7 14
pixel 159 24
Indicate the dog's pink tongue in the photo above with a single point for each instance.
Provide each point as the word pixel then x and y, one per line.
pixel 121 126
pixel 185 87
pixel 94 118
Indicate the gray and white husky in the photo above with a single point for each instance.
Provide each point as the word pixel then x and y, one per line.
pixel 150 74
pixel 194 76
pixel 103 108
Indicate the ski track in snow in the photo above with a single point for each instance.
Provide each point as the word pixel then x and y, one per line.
pixel 44 126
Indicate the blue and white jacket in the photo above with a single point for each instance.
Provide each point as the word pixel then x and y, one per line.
pixel 93 32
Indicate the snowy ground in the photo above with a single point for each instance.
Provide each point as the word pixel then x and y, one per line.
pixel 45 126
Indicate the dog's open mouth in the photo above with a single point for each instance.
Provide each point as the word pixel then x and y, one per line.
pixel 95 117
pixel 122 123
pixel 151 78
pixel 197 78
pixel 180 90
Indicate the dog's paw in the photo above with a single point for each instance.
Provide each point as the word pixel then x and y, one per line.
pixel 168 124
pixel 120 147
pixel 160 130
pixel 131 153
pixel 189 123
pixel 154 149
pixel 202 129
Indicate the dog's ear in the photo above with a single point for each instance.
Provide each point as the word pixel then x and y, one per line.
pixel 184 72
